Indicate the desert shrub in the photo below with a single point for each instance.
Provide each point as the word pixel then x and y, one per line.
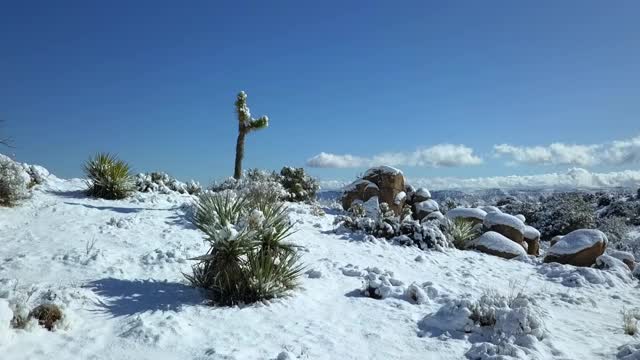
pixel 616 229
pixel 630 321
pixel 530 209
pixel 462 231
pixel 14 182
pixel 47 315
pixel 563 213
pixel 163 183
pixel 629 210
pixel 109 177
pixel 299 185
pixel 248 259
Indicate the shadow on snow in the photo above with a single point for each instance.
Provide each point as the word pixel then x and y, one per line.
pixel 122 210
pixel 131 297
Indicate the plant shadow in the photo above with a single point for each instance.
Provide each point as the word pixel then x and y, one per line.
pixel 122 210
pixel 74 194
pixel 132 297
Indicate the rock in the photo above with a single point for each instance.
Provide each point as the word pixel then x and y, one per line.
pixel 489 209
pixel 47 315
pixel 424 208
pixel 626 257
pixel 422 194
pixel 578 248
pixel 362 190
pixel 473 215
pixel 607 262
pixel 555 239
pixel 436 215
pixel 505 224
pixel 494 243
pixel 532 239
pixel 390 182
pixel 521 217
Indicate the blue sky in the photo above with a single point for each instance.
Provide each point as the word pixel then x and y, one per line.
pixel 155 81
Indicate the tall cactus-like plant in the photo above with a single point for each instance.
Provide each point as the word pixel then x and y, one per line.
pixel 246 124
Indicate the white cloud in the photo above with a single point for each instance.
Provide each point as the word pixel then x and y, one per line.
pixel 573 178
pixel 619 152
pixel 447 155
pixel 326 160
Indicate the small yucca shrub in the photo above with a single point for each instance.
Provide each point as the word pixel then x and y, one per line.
pixel 109 177
pixel 248 260
pixel 462 232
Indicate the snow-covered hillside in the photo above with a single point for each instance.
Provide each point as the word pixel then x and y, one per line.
pixel 115 268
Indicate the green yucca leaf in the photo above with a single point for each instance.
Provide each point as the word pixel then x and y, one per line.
pixel 109 177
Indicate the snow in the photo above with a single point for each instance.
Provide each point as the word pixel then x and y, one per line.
pixel 400 197
pixel 531 233
pixel 115 268
pixel 621 255
pixel 427 206
pixel 499 243
pixel 474 213
pixel 577 241
pixel 496 218
pixel 490 208
pixel 382 169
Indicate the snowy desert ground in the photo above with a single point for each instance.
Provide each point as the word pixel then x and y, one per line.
pixel 115 268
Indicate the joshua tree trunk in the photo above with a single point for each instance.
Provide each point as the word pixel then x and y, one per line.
pixel 246 124
pixel 237 173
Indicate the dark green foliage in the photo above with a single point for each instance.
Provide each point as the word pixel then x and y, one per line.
pixel 248 260
pixel 617 231
pixel 462 232
pixel 564 213
pixel 109 177
pixel 299 185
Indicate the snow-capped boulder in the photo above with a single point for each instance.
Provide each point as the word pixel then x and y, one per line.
pixel 521 217
pixel 473 215
pixel 555 239
pixel 424 208
pixel 422 194
pixel 532 239
pixel 579 248
pixel 494 243
pixel 608 262
pixel 436 215
pixel 626 257
pixel 505 224
pixel 390 182
pixel 489 209
pixel 362 190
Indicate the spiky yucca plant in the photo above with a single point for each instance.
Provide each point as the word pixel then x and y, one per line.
pixel 248 260
pixel 462 232
pixel 109 177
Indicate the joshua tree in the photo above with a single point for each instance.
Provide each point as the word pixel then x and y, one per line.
pixel 245 125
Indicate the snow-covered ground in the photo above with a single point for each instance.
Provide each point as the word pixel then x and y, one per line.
pixel 115 268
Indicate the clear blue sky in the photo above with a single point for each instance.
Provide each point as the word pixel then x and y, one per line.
pixel 155 81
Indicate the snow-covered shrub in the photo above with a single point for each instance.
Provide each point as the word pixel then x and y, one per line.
pixel 630 321
pixel 531 210
pixel 508 325
pixel 462 231
pixel 248 260
pixel 381 222
pixel 299 185
pixel 628 209
pixel 163 183
pixel 616 229
pixel 14 182
pixel 109 177
pixel 380 284
pixel 563 213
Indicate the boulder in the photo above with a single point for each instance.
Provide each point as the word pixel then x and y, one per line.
pixel 579 248
pixel 532 239
pixel 505 224
pixel 555 239
pixel 424 208
pixel 390 182
pixel 626 257
pixel 473 215
pixel 362 190
pixel 420 195
pixel 494 243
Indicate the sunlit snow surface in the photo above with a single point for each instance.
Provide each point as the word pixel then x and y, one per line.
pixel 115 269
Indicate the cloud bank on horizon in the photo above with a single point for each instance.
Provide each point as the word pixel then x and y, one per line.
pixel 572 178
pixel 618 152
